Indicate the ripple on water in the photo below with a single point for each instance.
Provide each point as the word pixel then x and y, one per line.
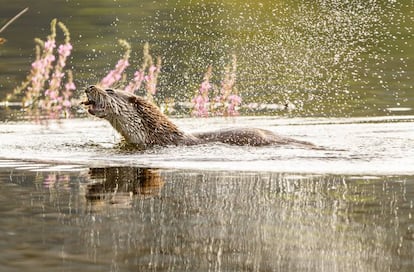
pixel 372 146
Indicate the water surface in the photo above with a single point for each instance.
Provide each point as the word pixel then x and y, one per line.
pixel 128 218
pixel 380 145
pixel 73 199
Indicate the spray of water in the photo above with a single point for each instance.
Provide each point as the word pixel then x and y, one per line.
pixel 327 57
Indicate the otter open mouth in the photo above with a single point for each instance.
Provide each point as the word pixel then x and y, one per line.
pixel 94 108
pixel 91 106
pixel 88 102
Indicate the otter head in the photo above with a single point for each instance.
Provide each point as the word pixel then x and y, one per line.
pixel 106 103
pixel 118 108
pixel 139 121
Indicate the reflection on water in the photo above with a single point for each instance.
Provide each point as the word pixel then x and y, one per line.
pixel 203 221
pixel 117 185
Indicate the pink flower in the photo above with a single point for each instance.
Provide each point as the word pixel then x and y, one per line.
pixel 49 45
pixel 70 86
pixel 116 74
pixel 200 109
pixel 148 78
pixel 52 94
pixel 138 75
pixel 65 49
pixel 135 84
pixel 66 104
pixel 205 86
pixel 37 65
pixel 121 65
pixel 58 74
pixel 48 59
pixel 199 100
pixel 235 99
pixel 152 69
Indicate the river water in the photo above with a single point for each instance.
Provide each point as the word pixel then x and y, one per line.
pixel 73 199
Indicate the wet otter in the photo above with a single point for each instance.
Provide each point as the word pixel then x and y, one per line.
pixel 142 124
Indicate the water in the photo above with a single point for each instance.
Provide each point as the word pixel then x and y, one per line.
pixel 176 220
pixel 380 145
pixel 73 199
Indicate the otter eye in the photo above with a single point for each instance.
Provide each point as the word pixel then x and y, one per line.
pixel 109 91
pixel 89 89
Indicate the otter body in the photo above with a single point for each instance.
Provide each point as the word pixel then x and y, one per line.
pixel 142 124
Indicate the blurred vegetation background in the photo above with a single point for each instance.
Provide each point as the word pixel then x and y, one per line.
pixel 327 57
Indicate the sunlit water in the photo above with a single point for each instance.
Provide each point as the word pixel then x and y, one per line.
pixel 382 145
pixel 73 200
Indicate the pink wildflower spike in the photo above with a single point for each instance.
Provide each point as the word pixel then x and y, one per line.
pixel 50 45
pixel 152 69
pixel 235 99
pixel 50 58
pixel 200 109
pixel 44 90
pixel 205 86
pixel 199 100
pixel 139 74
pixel 65 49
pixel 37 65
pixel 51 94
pixel 121 65
pixel 116 74
pixel 66 103
pixel 70 86
pixel 135 84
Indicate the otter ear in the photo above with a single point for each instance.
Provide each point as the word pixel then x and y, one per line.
pixel 109 91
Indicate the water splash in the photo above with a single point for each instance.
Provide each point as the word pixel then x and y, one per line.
pixel 325 57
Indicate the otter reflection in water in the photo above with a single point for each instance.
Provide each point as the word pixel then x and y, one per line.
pixel 117 185
pixel 142 124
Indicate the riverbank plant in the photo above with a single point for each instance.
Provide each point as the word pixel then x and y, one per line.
pixel 49 87
pixel 226 100
pixel 144 77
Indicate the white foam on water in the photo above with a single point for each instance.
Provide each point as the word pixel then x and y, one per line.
pixel 354 146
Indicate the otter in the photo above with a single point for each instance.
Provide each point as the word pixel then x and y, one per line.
pixel 143 125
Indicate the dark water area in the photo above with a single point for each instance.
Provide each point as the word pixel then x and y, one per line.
pixel 128 218
pixel 328 58
pixel 71 198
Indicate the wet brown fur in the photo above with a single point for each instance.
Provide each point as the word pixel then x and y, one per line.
pixel 141 123
pixel 160 130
